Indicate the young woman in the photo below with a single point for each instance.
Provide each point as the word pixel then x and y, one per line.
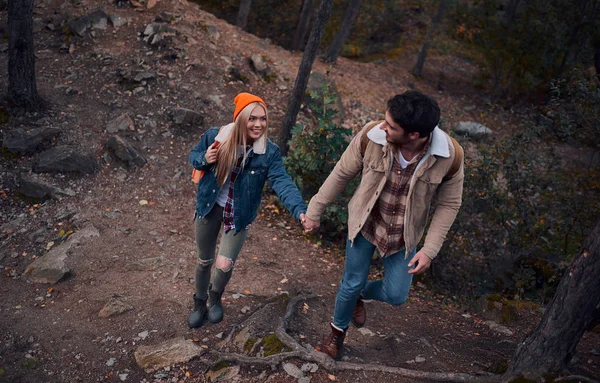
pixel 229 193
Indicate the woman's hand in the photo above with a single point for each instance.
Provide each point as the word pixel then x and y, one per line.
pixel 211 154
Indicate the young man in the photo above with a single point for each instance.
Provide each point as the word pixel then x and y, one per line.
pixel 406 163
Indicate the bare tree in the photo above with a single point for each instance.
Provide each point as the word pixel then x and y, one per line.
pixel 22 88
pixel 242 17
pixel 574 308
pixel 350 16
pixel 418 68
pixel 308 59
pixel 303 22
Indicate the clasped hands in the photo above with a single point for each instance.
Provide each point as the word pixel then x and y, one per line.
pixel 310 226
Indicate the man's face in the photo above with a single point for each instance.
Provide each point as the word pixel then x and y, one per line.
pixel 394 134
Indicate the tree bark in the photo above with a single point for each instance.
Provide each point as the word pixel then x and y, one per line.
pixel 22 89
pixel 417 70
pixel 550 347
pixel 308 58
pixel 302 27
pixel 342 34
pixel 242 17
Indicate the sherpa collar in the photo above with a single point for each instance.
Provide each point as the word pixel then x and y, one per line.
pixel 439 142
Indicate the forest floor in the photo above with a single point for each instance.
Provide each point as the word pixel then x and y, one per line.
pixel 144 254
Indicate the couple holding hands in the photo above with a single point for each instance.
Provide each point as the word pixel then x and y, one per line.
pixel 406 162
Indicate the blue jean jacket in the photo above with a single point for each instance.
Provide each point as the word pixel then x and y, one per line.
pixel 249 184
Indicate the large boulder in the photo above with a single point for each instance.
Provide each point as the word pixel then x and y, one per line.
pixel 27 141
pixel 32 186
pixel 125 152
pixel 65 159
pixel 183 116
pixel 472 129
pixel 168 353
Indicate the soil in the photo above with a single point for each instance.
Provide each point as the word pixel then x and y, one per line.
pixel 52 333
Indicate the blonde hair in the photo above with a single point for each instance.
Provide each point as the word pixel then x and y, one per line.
pixel 228 151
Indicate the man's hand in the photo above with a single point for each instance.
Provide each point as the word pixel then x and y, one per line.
pixel 310 225
pixel 211 154
pixel 422 261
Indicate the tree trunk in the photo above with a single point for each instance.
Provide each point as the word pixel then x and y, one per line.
pixel 302 27
pixel 597 59
pixel 308 58
pixel 418 68
pixel 22 90
pixel 242 17
pixel 342 34
pixel 550 347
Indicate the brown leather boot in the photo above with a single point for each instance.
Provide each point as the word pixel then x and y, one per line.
pixel 333 343
pixel 360 314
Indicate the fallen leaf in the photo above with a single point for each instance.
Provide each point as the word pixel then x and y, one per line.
pixel 247 292
pixel 143 202
pixel 49 245
pixel 284 280
pixel 331 376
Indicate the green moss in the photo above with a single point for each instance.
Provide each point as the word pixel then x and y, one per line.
pixel 491 299
pixel 249 344
pixel 221 365
pixel 29 364
pixel 273 345
pixel 512 308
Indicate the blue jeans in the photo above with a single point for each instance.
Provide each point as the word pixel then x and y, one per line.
pixel 392 289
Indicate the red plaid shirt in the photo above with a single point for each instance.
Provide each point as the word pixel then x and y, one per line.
pixel 385 226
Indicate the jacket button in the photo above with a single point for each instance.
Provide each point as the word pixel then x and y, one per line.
pixel 372 166
pixel 376 193
pixel 214 191
pixel 427 180
pixel 252 172
pixel 207 204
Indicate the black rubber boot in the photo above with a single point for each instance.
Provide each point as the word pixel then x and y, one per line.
pixel 196 319
pixel 215 308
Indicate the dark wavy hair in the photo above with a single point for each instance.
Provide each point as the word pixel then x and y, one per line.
pixel 414 112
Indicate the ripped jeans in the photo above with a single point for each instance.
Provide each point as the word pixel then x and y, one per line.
pixel 207 231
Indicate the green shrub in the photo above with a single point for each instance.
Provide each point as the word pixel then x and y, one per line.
pixel 314 151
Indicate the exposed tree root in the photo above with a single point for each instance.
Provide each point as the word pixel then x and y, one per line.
pixel 309 354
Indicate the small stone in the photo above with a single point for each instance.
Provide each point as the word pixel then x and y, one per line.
pixel 111 362
pixel 420 359
pixel 309 367
pixel 245 309
pixel 366 331
pixel 143 335
pixel 293 370
pixel 123 377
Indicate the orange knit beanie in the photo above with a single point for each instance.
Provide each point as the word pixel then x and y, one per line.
pixel 242 100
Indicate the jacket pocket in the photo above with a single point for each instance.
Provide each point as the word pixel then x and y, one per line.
pixel 425 187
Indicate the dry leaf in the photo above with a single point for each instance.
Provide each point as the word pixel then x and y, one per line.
pixel 331 376
pixel 143 202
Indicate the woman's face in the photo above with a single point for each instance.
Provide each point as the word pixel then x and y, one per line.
pixel 257 123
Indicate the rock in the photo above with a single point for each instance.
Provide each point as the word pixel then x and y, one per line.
pixel 147 264
pixel 98 19
pixel 420 359
pixel 117 21
pixel 143 76
pixel 293 370
pixel 173 351
pixel 499 328
pixel 213 33
pixel 151 4
pixel 32 186
pixel 111 362
pixel 125 152
pixel 121 123
pixel 309 367
pixel 27 141
pixel 143 335
pixel 13 225
pixel 257 62
pixel 183 116
pixel 472 129
pixel 79 26
pixel 223 374
pixel 366 331
pixel 50 268
pixel 113 308
pixel 64 159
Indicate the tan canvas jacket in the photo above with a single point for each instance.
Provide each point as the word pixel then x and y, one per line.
pixel 425 185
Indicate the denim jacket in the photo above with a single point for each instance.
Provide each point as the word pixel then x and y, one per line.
pixel 249 184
